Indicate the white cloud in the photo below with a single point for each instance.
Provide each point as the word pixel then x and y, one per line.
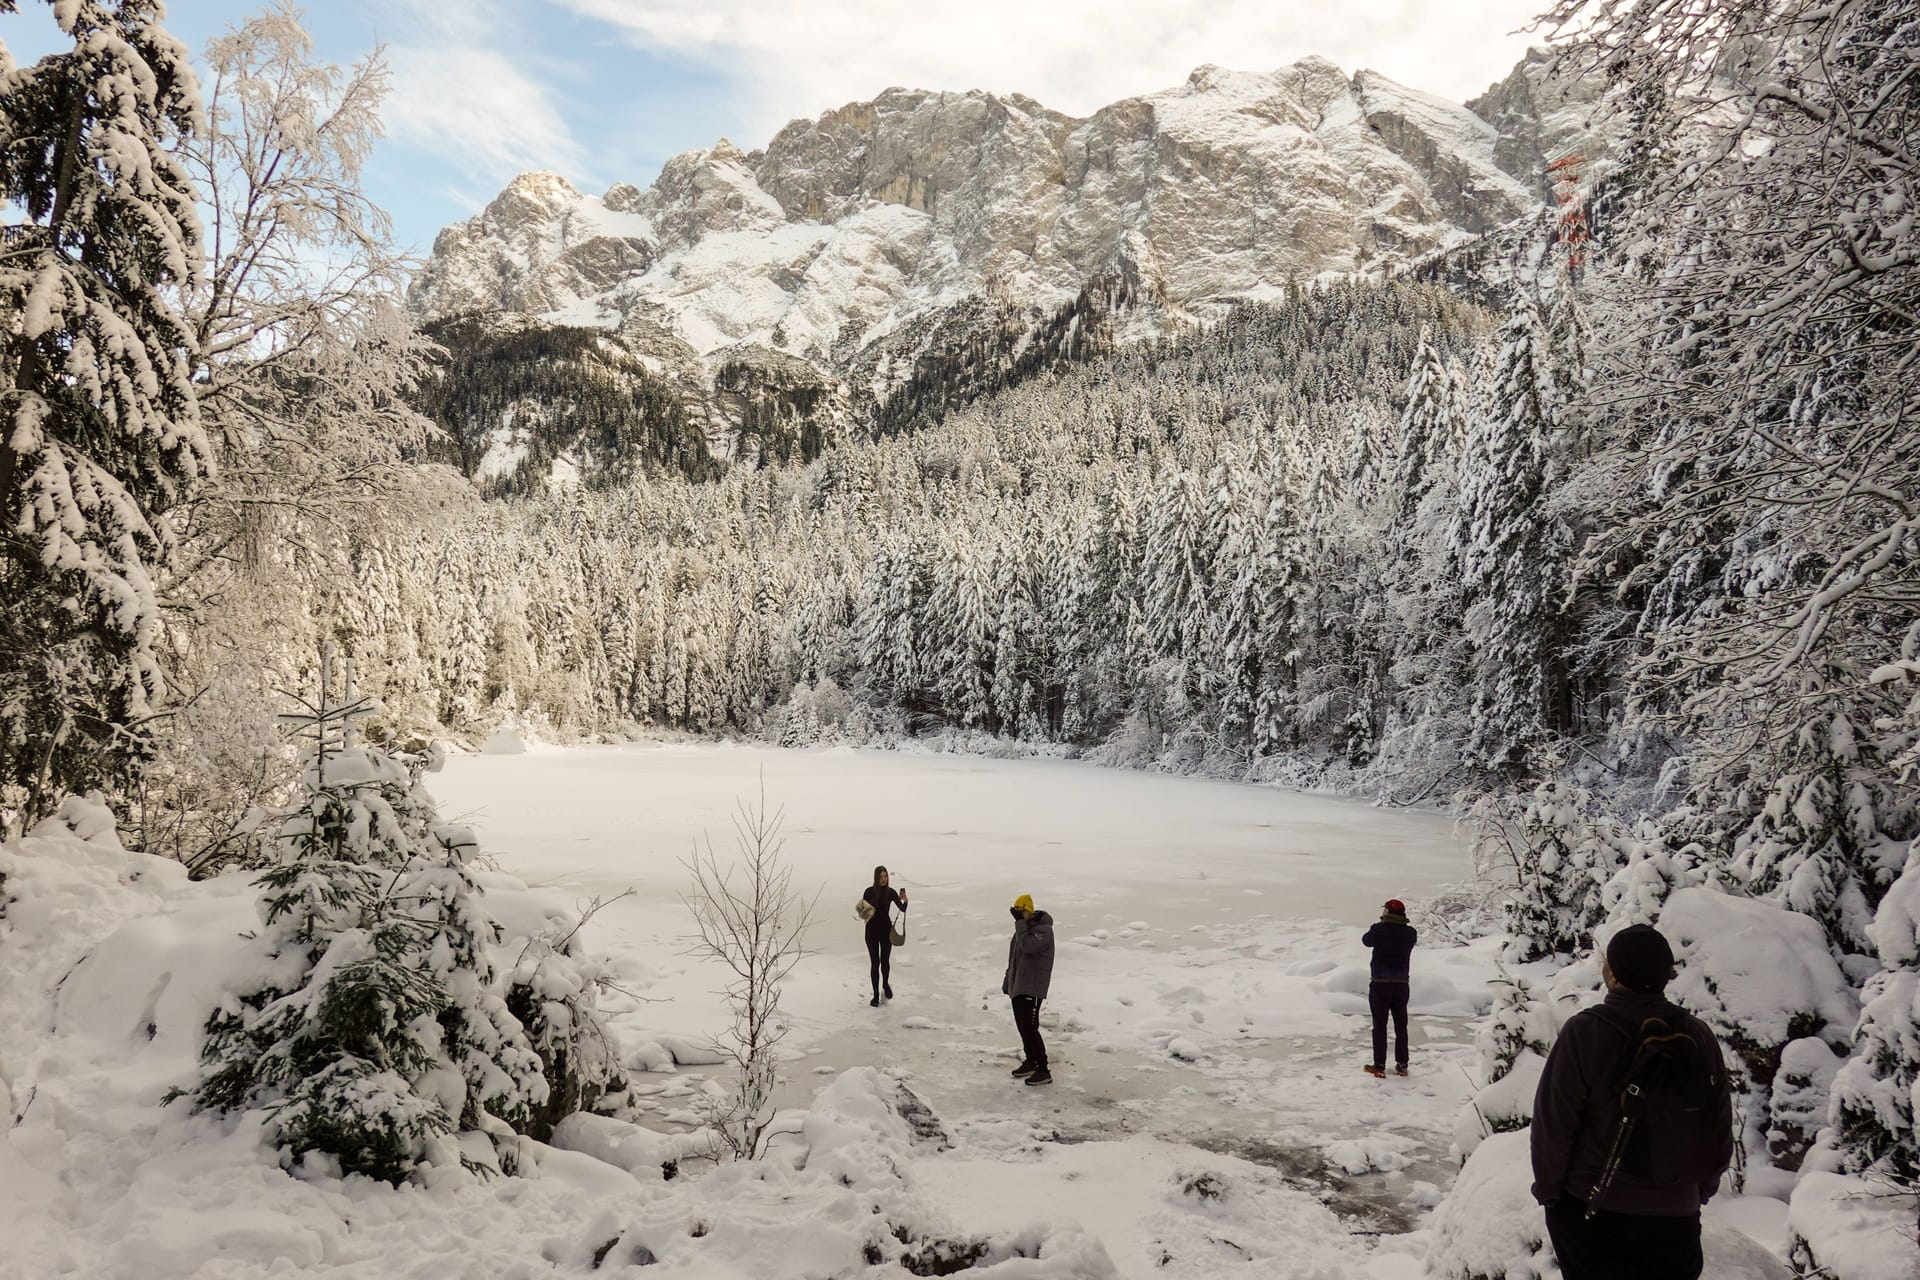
pixel 800 57
pixel 477 110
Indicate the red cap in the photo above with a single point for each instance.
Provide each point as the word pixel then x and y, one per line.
pixel 1396 906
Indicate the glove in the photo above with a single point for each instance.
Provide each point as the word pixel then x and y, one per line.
pixel 1015 913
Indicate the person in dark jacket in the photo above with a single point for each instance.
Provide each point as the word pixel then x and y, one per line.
pixel 1392 941
pixel 1029 974
pixel 1646 1227
pixel 882 898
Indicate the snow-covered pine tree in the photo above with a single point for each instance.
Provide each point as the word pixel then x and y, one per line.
pixel 1561 850
pixel 1432 429
pixel 381 994
pixel 1520 1022
pixel 1176 567
pixel 1282 591
pixel 1876 1095
pixel 99 427
pixel 1832 835
pixel 1515 554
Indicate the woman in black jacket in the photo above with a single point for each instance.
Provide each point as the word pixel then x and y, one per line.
pixel 882 898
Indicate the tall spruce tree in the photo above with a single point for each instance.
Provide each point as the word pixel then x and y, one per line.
pixel 1515 554
pixel 99 430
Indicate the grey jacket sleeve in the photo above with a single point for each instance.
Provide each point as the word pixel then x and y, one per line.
pixel 1556 1116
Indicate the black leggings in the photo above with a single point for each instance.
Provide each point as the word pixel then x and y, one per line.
pixel 880 953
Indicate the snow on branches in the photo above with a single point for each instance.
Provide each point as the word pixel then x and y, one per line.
pixel 99 428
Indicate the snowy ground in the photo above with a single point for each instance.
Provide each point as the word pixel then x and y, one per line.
pixel 1206 993
pixel 1209 1111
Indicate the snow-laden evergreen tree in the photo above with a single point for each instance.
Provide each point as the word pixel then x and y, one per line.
pixel 1561 850
pixel 1432 430
pixel 1514 553
pixel 382 1027
pixel 1876 1095
pixel 1520 1022
pixel 100 432
pixel 1176 567
pixel 1832 834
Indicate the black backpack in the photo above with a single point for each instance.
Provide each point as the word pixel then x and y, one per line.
pixel 1670 1105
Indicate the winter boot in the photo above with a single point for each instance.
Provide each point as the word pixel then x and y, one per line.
pixel 1400 1070
pixel 875 1002
pixel 887 992
pixel 1375 1070
pixel 1040 1076
pixel 1024 1069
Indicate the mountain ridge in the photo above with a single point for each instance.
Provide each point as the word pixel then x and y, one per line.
pixel 864 242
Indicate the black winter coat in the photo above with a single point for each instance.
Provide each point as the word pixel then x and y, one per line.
pixel 1392 942
pixel 1571 1135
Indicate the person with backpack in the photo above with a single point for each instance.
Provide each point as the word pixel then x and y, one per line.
pixel 1392 942
pixel 1632 1125
pixel 1029 974
pixel 876 908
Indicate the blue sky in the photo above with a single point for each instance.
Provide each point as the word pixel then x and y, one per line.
pixel 606 90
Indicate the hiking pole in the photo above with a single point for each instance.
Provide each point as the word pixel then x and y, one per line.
pixel 1614 1154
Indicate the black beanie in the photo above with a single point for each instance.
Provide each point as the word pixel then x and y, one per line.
pixel 1640 959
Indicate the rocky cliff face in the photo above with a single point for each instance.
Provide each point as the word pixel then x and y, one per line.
pixel 856 242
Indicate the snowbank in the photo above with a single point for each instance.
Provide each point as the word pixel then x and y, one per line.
pixel 1491 1229
pixel 1853 1228
pixel 1759 974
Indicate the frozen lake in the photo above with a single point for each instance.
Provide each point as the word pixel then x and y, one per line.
pixel 1209 979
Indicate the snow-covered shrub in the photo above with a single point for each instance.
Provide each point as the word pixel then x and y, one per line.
pixel 380 1025
pixel 1832 835
pixel 1560 849
pixel 1761 976
pixel 1850 1228
pixel 1797 1105
pixel 1519 1022
pixel 1504 1106
pixel 815 714
pixel 553 990
pixel 1653 868
pixel 1876 1095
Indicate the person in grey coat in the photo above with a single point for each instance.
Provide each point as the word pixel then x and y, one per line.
pixel 1029 973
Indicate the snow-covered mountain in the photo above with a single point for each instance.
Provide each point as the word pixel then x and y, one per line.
pixel 861 245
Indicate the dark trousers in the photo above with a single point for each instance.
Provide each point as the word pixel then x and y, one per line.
pixel 1388 998
pixel 880 954
pixel 1623 1246
pixel 1026 1016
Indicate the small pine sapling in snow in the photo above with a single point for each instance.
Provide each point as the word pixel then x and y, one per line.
pixel 1519 1022
pixel 1652 870
pixel 378 1030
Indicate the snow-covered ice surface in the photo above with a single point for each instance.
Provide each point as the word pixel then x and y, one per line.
pixel 1207 995
pixel 1207 1115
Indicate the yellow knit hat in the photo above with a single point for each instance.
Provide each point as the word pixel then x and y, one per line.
pixel 1024 902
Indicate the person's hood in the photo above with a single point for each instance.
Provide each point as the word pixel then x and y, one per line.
pixel 1390 918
